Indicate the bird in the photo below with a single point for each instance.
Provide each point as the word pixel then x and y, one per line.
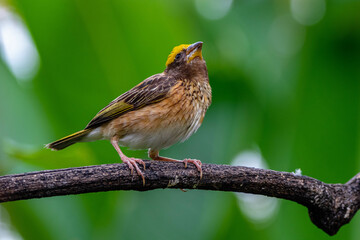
pixel 160 111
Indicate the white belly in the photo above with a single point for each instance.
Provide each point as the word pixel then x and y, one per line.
pixel 163 138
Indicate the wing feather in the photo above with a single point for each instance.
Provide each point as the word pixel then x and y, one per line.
pixel 150 91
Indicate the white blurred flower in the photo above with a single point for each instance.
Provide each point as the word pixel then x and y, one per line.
pixel 17 48
pixel 258 209
pixel 6 233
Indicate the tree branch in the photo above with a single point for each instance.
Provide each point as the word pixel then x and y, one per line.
pixel 330 206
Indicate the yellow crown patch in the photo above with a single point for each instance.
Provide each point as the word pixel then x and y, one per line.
pixel 175 51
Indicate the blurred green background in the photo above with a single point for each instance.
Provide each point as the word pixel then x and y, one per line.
pixel 285 76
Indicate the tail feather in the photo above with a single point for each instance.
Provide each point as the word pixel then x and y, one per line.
pixel 68 140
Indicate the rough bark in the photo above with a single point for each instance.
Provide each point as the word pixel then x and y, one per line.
pixel 330 206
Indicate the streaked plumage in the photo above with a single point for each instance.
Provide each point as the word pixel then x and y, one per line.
pixel 163 109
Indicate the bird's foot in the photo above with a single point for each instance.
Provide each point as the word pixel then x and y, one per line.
pixel 196 162
pixel 154 154
pixel 132 163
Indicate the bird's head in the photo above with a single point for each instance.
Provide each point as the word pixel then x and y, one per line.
pixel 186 59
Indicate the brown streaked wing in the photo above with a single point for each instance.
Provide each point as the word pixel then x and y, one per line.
pixel 151 90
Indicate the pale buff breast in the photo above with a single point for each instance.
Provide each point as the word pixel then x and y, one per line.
pixel 165 123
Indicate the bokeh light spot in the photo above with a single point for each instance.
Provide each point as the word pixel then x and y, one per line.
pixel 286 36
pixel 308 12
pixel 233 44
pixel 213 9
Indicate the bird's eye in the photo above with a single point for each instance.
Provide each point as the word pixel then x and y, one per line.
pixel 177 57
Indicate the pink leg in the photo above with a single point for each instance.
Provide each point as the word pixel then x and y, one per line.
pixel 196 162
pixel 154 154
pixel 131 162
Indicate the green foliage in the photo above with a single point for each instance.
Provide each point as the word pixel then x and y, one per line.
pixel 287 89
